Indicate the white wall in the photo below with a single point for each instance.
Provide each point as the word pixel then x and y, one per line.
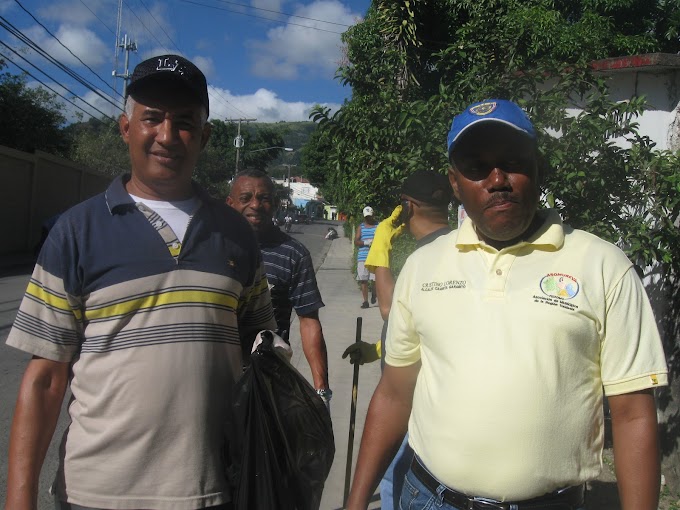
pixel 661 122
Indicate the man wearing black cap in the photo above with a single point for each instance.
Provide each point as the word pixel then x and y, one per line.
pixel 502 337
pixel 142 300
pixel 425 198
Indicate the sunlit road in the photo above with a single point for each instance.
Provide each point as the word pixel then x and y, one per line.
pixel 13 362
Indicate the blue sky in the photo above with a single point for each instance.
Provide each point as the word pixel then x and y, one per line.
pixel 266 59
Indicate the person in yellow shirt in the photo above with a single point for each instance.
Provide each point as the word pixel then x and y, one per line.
pixel 503 337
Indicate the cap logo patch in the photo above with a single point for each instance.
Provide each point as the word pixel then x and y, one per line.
pixel 483 109
pixel 560 285
pixel 166 64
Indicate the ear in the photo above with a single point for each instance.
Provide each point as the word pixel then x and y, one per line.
pixel 205 135
pixel 454 181
pixel 124 127
pixel 230 201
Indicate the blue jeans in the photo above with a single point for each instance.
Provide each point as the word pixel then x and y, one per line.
pixel 393 480
pixel 416 496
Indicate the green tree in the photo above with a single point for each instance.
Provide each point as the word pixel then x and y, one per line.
pixel 98 145
pixel 411 65
pixel 32 117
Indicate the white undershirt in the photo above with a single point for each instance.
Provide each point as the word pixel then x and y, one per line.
pixel 176 213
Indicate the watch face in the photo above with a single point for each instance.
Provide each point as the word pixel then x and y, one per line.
pixel 327 394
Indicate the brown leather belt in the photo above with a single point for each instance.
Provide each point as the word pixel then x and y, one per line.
pixel 571 498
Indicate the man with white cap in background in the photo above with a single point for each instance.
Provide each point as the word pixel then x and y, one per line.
pixel 363 238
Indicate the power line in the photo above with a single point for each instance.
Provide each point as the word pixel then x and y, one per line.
pixel 260 17
pixel 145 27
pixel 216 95
pixel 159 25
pixel 4 23
pixel 95 15
pixel 226 101
pixel 50 88
pixel 283 13
pixel 63 45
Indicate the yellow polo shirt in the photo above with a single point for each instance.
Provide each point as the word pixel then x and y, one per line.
pixel 516 346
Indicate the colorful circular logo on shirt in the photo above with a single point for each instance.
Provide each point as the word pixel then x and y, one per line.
pixel 559 284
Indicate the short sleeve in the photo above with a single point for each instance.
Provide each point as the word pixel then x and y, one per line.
pixel 402 344
pixel 378 256
pixel 49 322
pixel 632 356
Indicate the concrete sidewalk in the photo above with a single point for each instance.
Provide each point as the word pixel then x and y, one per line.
pixel 342 297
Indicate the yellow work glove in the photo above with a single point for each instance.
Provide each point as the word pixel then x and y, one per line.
pixel 363 352
pixel 385 233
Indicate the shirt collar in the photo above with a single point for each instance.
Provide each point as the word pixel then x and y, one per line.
pixel 432 236
pixel 550 236
pixel 118 197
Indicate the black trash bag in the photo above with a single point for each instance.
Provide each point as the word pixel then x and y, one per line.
pixel 280 443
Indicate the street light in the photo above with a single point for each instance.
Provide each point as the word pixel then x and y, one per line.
pixel 287 149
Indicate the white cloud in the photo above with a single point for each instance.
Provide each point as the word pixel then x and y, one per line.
pixel 205 64
pixel 291 51
pixel 74 12
pixel 82 42
pixel 264 105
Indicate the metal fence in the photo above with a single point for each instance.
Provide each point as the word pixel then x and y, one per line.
pixel 36 187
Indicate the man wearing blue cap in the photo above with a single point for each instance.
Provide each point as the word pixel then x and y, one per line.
pixel 503 335
pixel 142 301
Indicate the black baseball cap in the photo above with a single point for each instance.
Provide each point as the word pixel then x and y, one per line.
pixel 165 68
pixel 429 187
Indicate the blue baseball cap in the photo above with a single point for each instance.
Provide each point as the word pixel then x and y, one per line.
pixel 491 110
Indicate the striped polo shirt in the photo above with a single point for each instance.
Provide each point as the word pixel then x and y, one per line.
pixel 367 232
pixel 292 282
pixel 153 329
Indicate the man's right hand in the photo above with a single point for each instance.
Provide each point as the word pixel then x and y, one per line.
pixel 363 352
pixel 385 233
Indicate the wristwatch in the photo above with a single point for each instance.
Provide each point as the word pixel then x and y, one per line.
pixel 325 394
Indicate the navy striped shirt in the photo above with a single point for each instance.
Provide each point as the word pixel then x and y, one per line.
pixel 291 278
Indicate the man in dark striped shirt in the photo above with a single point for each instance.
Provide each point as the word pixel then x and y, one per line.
pixel 289 269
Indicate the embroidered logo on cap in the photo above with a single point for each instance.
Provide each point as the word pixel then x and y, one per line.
pixel 483 109
pixel 166 64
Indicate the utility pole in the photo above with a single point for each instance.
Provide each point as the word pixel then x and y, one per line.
pixel 238 141
pixel 128 45
pixel 119 23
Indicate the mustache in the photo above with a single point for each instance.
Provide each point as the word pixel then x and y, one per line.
pixel 500 197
